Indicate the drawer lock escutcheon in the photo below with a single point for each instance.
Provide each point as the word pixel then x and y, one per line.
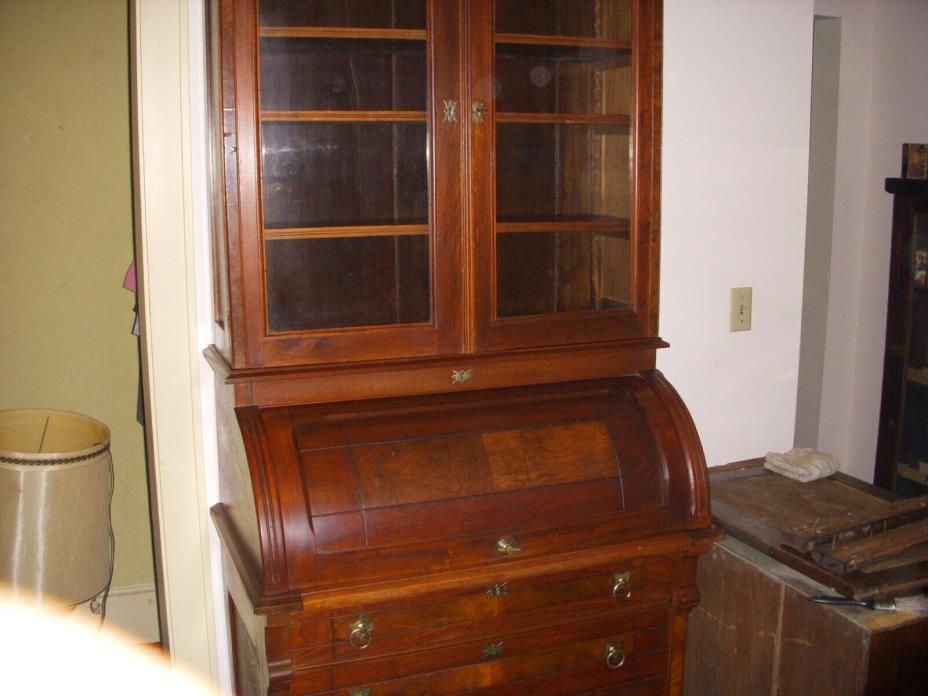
pixel 362 632
pixel 506 546
pixel 461 376
pixel 622 585
pixel 614 655
pixel 499 590
pixel 493 650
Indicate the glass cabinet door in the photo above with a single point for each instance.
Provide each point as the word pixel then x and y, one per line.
pixel 342 259
pixel 563 100
pixel 344 163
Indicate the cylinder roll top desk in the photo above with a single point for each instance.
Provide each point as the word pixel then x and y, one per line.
pixel 447 463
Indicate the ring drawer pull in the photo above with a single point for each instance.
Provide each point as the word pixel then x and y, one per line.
pixel 622 585
pixel 362 632
pixel 614 654
pixel 506 546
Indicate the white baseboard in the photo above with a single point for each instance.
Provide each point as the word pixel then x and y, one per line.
pixel 131 611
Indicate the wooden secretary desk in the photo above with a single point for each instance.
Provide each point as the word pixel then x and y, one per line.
pixel 447 462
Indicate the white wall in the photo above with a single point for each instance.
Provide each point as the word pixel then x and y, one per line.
pixel 883 103
pixel 168 100
pixel 737 76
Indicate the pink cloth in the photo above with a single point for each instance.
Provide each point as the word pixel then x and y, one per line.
pixel 129 282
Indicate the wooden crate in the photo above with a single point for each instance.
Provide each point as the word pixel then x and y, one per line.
pixel 756 632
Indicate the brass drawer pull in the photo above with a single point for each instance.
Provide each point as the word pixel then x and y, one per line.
pixel 506 546
pixel 622 585
pixel 362 632
pixel 614 654
pixel 461 376
pixel 499 590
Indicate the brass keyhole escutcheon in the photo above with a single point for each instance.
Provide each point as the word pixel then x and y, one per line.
pixel 506 546
pixel 479 112
pixel 450 108
pixel 493 650
pixel 498 590
pixel 462 375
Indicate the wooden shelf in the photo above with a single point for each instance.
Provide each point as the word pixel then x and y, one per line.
pixel 566 41
pixel 344 115
pixel 600 225
pixel 550 118
pixel 918 475
pixel 917 375
pixel 598 57
pixel 343 33
pixel 346 231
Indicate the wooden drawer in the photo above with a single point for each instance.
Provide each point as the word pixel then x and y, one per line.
pixel 570 656
pixel 507 607
pixel 587 682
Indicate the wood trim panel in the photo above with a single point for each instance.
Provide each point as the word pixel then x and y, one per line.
pixel 346 382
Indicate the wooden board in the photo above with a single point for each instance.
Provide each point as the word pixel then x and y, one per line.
pixel 866 551
pixel 804 515
pixel 799 524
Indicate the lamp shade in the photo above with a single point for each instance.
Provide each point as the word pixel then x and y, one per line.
pixel 56 483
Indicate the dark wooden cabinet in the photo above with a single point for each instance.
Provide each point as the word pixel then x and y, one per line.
pixel 902 443
pixel 447 462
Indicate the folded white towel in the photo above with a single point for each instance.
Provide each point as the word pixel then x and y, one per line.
pixel 802 464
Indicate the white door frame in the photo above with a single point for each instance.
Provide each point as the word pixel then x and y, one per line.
pixel 172 251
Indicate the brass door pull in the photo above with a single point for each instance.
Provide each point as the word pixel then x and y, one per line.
pixel 614 655
pixel 622 585
pixel 506 546
pixel 362 632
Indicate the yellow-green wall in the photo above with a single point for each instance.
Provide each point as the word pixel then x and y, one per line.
pixel 66 236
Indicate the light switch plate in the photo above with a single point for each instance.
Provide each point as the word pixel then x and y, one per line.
pixel 740 318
